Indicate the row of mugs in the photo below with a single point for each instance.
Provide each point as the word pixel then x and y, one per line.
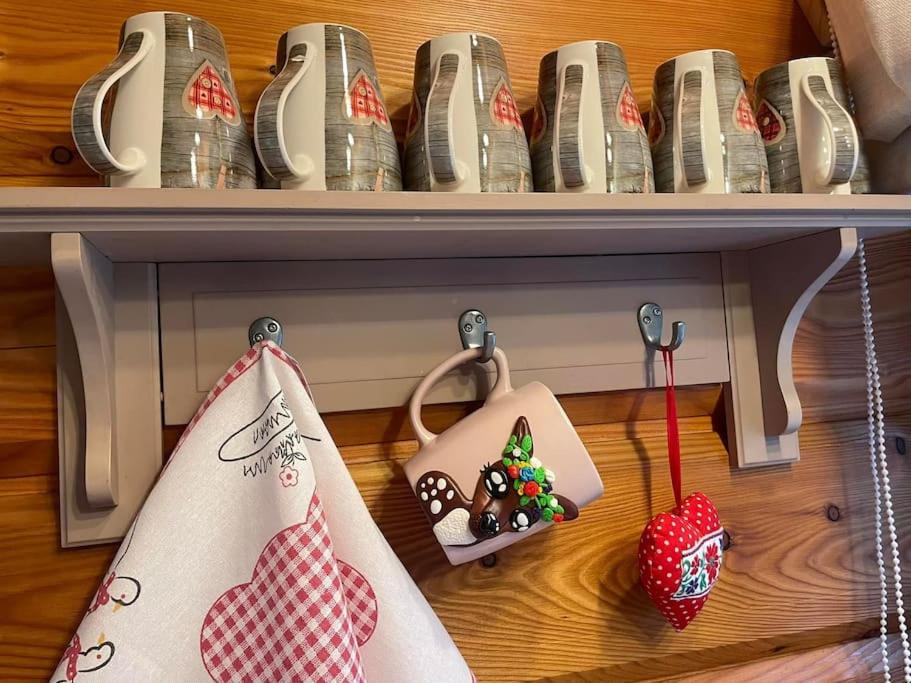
pixel 175 119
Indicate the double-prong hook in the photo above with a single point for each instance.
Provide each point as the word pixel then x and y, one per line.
pixel 265 328
pixel 474 334
pixel 651 319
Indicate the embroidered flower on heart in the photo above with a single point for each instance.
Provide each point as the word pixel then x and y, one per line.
pixel 695 568
pixel 712 561
pixel 288 476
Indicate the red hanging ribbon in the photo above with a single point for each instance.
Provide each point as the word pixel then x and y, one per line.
pixel 673 431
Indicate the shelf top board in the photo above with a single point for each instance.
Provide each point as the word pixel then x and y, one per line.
pixel 205 225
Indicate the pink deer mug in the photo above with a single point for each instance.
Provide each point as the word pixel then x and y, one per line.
pixel 510 469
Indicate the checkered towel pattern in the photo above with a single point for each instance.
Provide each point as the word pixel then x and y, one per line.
pixel 291 621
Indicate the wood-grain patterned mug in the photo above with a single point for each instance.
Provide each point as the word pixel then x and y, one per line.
pixel 702 130
pixel 174 117
pixel 322 123
pixel 587 134
pixel 810 138
pixel 464 130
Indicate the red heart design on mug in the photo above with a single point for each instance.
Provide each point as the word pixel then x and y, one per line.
pixel 302 615
pixel 680 558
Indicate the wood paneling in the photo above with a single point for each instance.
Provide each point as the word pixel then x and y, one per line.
pixel 859 661
pixel 829 350
pixel 40 72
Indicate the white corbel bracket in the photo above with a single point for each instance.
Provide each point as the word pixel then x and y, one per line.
pixel 108 389
pixel 766 293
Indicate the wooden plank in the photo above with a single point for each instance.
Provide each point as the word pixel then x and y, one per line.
pixel 28 418
pixel 859 661
pixel 41 77
pixel 26 307
pixel 44 590
pixel 829 349
pixel 818 18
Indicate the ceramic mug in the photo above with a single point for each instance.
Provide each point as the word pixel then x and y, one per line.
pixel 510 469
pixel 322 123
pixel 812 143
pixel 702 130
pixel 587 134
pixel 175 120
pixel 464 131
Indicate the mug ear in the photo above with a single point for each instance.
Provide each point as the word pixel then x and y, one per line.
pixel 520 438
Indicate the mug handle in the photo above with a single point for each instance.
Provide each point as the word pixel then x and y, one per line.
pixel 689 130
pixel 438 123
pixel 838 153
pixel 500 388
pixel 86 114
pixel 569 146
pixel 268 121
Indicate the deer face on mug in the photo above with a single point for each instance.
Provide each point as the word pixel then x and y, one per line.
pixel 511 494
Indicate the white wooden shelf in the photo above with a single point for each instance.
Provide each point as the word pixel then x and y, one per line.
pixel 261 225
pixel 741 268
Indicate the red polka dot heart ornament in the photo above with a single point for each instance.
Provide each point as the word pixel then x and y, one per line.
pixel 680 551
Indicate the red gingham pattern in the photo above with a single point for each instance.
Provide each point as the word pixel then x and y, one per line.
pixel 743 114
pixel 361 599
pixel 366 104
pixel 627 110
pixel 207 93
pixel 291 621
pixel 503 108
pixel 247 361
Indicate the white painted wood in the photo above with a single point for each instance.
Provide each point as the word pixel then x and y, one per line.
pixel 85 280
pixel 784 278
pixel 134 432
pixel 367 331
pixel 748 442
pixel 191 225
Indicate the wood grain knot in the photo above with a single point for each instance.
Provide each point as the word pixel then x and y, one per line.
pixel 61 155
pixel 726 541
pixel 489 560
pixel 900 445
pixel 273 69
pixel 833 513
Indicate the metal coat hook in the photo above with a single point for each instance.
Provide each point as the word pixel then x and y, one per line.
pixel 475 335
pixel 651 318
pixel 265 328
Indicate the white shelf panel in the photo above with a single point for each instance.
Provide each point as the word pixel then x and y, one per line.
pixel 251 225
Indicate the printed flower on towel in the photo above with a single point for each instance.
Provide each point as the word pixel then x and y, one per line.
pixel 288 476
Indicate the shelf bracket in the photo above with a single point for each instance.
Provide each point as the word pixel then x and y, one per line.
pixel 766 293
pixel 108 388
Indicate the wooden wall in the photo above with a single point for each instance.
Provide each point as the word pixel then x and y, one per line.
pixel 798 597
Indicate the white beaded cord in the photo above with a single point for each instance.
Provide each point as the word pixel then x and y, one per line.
pixel 877 444
pixel 881 485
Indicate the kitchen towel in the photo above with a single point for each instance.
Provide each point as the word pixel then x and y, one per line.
pixel 255 558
